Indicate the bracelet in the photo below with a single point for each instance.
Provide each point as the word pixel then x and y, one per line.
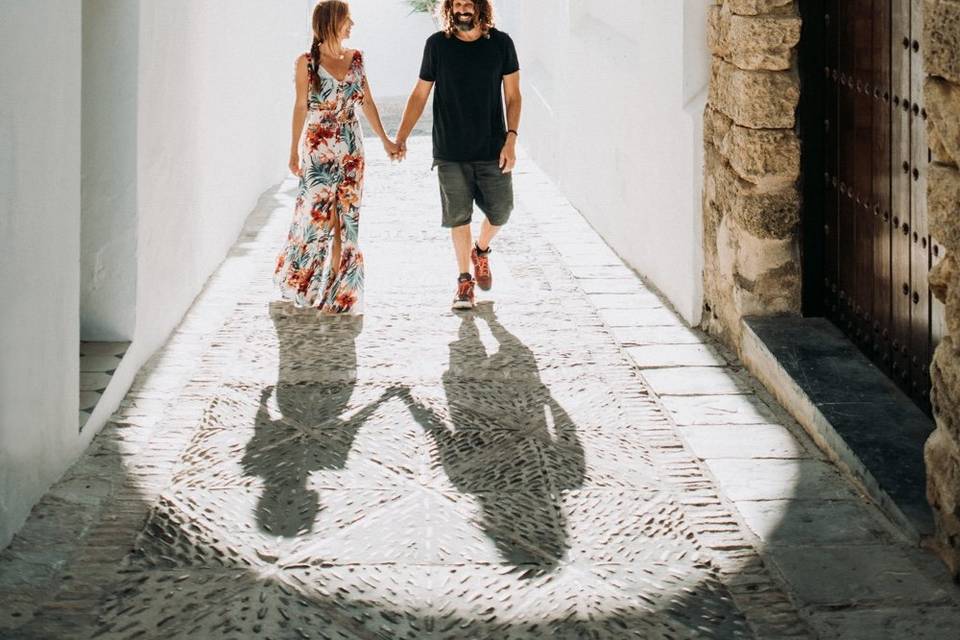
pixel 513 131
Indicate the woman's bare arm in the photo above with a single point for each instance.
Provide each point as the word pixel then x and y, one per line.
pixel 299 113
pixel 412 112
pixel 372 113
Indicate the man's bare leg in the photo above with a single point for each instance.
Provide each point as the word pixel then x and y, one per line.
pixel 487 233
pixel 462 245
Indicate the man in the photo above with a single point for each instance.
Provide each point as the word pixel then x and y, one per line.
pixel 475 69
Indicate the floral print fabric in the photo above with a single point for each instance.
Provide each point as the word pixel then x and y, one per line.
pixel 331 184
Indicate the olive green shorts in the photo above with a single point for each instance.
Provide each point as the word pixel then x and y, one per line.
pixel 464 183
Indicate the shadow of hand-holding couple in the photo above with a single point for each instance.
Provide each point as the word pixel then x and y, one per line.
pixel 503 438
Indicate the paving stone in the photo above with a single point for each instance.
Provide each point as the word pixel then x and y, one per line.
pixel 626 301
pixel 661 317
pixel 641 335
pixel 688 355
pixel 855 576
pixel 770 479
pixel 809 522
pixel 937 623
pixel 719 409
pixel 94 381
pixel 89 399
pixel 102 363
pixel 697 381
pixel 743 441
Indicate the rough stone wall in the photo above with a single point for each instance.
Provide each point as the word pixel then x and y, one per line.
pixel 752 165
pixel 942 89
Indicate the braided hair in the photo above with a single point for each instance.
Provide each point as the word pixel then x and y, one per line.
pixel 328 16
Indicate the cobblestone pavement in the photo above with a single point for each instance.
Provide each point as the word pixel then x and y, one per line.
pixel 568 461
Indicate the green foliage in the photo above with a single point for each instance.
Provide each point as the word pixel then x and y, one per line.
pixel 422 6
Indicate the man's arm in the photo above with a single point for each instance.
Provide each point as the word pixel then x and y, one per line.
pixel 514 103
pixel 412 113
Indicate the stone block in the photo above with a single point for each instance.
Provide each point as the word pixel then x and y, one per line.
pixel 941 34
pixel 747 303
pixel 943 492
pixel 943 106
pixel 714 29
pixel 759 7
pixel 715 126
pixel 762 213
pixel 943 205
pixel 755 99
pixel 944 276
pixel 768 158
pixel 938 152
pixel 777 292
pixel 754 42
pixel 945 373
pixel 757 257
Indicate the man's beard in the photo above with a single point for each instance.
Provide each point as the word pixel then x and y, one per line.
pixel 464 25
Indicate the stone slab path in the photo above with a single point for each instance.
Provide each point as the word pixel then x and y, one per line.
pixel 568 461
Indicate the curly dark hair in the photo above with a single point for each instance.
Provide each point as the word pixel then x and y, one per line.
pixel 486 16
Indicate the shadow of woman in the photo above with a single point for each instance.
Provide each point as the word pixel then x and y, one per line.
pixel 507 442
pixel 315 427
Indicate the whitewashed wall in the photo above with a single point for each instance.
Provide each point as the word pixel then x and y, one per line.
pixel 215 98
pixel 613 101
pixel 108 227
pixel 392 40
pixel 203 133
pixel 39 248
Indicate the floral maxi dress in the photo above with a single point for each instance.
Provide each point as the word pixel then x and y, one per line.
pixel 331 184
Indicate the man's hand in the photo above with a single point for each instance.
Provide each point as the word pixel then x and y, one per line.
pixel 402 149
pixel 508 155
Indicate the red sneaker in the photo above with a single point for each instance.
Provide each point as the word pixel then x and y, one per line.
pixel 464 301
pixel 481 267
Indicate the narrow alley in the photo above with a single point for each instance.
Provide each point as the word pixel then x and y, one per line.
pixel 568 461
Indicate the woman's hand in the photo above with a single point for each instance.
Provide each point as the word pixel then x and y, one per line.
pixel 295 164
pixel 392 149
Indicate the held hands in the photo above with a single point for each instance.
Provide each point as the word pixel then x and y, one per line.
pixel 396 150
pixel 392 149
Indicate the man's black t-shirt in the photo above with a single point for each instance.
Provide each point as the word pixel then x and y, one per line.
pixel 468 119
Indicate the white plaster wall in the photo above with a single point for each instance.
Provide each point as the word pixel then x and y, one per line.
pixel 613 100
pixel 39 249
pixel 108 228
pixel 392 40
pixel 213 100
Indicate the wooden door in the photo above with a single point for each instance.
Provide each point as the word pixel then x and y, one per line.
pixel 868 251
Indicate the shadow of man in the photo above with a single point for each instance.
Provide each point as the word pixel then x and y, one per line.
pixel 507 442
pixel 315 430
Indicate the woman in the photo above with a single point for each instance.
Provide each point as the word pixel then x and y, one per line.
pixel 321 265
